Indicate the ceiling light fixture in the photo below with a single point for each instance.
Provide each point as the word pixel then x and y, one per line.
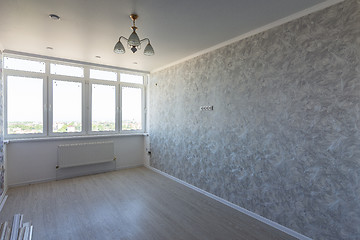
pixel 134 42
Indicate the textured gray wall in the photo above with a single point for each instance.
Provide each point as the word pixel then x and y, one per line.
pixel 283 140
pixel 2 171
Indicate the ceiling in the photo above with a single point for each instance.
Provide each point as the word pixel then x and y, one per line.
pixel 176 28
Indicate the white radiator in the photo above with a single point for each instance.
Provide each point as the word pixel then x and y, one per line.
pixel 72 155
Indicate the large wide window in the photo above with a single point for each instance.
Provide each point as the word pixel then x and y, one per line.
pixel 49 98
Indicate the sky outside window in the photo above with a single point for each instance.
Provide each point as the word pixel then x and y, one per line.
pixel 24 105
pixel 103 75
pixel 67 111
pixel 131 108
pixel 24 65
pixel 103 107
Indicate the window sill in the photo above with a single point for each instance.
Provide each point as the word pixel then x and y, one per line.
pixel 6 141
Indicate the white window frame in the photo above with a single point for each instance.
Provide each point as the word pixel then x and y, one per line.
pixel 117 96
pixel 51 106
pixel 86 97
pixel 133 85
pixel 104 69
pixel 17 73
pixel 23 58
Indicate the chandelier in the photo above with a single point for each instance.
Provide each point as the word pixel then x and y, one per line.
pixel 134 42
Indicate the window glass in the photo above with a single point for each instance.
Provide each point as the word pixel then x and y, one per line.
pixel 131 108
pixel 66 70
pixel 129 78
pixel 103 108
pixel 67 111
pixel 24 105
pixel 103 75
pixel 24 65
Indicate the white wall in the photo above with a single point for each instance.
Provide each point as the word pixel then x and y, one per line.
pixel 36 160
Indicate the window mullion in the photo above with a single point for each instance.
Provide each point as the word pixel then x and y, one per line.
pixel 46 124
pixel 86 104
pixel 120 108
pixel 118 101
pixel 48 99
pixel 117 105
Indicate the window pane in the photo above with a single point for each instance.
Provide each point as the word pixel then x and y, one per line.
pixel 66 70
pixel 103 75
pixel 24 65
pixel 131 108
pixel 103 108
pixel 66 106
pixel 129 78
pixel 24 105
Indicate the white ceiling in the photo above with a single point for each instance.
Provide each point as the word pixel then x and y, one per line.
pixel 176 28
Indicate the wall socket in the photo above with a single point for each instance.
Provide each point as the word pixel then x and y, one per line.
pixel 206 108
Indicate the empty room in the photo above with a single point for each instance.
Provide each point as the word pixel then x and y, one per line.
pixel 180 120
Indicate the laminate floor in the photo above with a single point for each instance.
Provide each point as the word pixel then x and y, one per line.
pixel 129 204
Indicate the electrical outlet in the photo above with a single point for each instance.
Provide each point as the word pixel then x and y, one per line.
pixel 206 108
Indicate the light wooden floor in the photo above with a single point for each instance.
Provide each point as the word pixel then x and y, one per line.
pixel 129 204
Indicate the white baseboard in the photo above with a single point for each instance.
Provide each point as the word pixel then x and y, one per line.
pixel 54 179
pixel 20 184
pixel 236 207
pixel 130 166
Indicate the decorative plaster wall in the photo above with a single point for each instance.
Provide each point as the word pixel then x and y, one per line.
pixel 283 140
pixel 2 172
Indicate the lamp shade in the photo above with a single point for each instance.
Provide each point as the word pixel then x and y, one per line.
pixel 119 48
pixel 134 39
pixel 149 51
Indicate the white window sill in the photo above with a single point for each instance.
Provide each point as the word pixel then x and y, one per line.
pixel 6 141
